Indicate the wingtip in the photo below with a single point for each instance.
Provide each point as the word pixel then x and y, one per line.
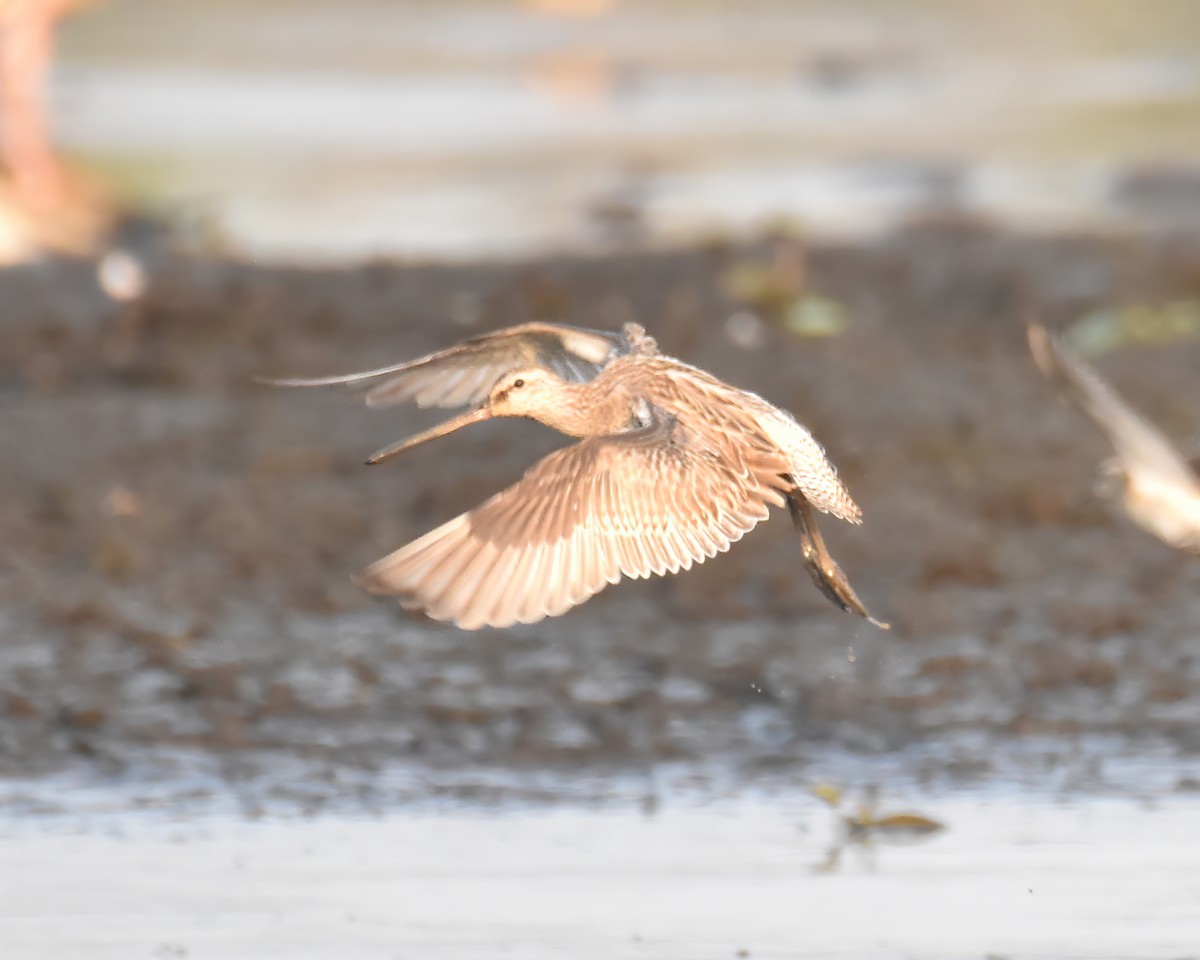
pixel 288 381
pixel 369 579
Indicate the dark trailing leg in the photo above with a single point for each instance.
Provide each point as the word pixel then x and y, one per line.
pixel 823 569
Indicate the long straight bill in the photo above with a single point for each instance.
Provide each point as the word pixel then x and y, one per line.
pixel 477 415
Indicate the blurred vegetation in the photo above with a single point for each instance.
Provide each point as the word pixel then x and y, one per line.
pixel 1112 327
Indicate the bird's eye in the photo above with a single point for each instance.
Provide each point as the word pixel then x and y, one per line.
pixel 518 383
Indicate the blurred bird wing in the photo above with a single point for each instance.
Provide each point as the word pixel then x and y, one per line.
pixel 635 504
pixel 1146 455
pixel 465 373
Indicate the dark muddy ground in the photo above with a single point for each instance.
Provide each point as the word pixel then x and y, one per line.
pixel 176 542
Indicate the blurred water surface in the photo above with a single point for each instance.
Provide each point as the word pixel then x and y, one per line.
pixel 1013 876
pixel 1072 850
pixel 326 130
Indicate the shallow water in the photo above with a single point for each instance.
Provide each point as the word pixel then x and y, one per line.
pixel 1074 849
pixel 1014 874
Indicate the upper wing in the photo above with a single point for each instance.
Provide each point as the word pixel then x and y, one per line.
pixel 633 504
pixel 465 373
pixel 1141 447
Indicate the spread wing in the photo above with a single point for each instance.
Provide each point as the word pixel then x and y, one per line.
pixel 635 504
pixel 464 374
pixel 1145 454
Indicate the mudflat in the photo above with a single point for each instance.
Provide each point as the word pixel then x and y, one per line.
pixel 177 541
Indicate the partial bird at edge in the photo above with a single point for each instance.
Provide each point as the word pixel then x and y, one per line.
pixel 1161 489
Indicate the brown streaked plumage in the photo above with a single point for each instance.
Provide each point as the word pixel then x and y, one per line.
pixel 1159 487
pixel 672 466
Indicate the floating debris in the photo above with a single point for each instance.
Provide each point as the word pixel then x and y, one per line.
pixel 865 826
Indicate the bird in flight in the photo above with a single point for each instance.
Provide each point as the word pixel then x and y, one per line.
pixel 671 467
pixel 1160 489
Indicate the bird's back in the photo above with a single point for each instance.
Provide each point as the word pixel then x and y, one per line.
pixel 736 424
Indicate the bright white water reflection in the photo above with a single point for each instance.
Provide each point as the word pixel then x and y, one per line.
pixel 1011 876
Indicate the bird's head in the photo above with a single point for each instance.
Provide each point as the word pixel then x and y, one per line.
pixel 530 392
pixel 524 393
